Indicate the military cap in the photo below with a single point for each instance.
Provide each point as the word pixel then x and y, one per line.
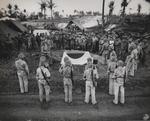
pixel 65 59
pixel 89 59
pixel 120 63
pixel 68 63
pixel 21 56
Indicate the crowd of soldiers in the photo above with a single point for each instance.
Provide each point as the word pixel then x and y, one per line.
pixel 122 54
pixel 101 44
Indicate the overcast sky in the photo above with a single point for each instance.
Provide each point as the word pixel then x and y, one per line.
pixel 70 5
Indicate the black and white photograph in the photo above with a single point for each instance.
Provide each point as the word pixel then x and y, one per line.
pixel 74 60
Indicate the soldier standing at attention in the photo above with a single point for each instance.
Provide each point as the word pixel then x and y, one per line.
pixel 90 74
pixel 22 72
pixel 119 76
pixel 67 70
pixel 112 64
pixel 43 77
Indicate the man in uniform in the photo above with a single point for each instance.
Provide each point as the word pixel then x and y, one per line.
pixel 119 76
pixel 22 72
pixel 112 64
pixel 105 50
pixel 43 77
pixel 67 70
pixel 90 74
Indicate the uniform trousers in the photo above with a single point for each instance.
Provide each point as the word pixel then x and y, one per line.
pixel 23 81
pixel 90 90
pixel 119 87
pixel 68 89
pixel 43 87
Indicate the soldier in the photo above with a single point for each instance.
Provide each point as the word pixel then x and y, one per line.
pixel 134 56
pixel 112 53
pixel 112 64
pixel 22 72
pixel 119 76
pixel 105 50
pixel 43 77
pixel 67 70
pixel 90 74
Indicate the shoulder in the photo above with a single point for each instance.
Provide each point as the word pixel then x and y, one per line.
pixel 38 69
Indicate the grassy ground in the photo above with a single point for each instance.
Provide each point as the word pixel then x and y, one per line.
pixel 9 82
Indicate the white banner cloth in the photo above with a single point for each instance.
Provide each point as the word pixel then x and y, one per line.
pixel 79 61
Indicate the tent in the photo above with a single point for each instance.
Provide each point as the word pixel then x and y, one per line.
pixel 86 22
pixel 76 57
pixel 62 25
pixel 13 24
pixel 19 26
pixel 5 30
pixel 110 27
pixel 6 18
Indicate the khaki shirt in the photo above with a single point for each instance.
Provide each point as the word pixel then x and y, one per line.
pixel 21 66
pixel 39 75
pixel 111 67
pixel 87 74
pixel 119 74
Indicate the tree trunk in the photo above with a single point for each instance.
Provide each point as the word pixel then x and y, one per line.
pixel 103 8
pixel 51 14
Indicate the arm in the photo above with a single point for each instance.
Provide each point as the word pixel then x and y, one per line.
pixel 37 74
pixel 96 73
pixel 84 75
pixel 61 69
pixel 26 68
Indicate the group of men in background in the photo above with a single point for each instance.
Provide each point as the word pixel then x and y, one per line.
pixel 121 56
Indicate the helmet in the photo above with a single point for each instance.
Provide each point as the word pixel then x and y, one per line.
pixel 42 60
pixel 120 63
pixel 89 59
pixel 68 63
pixel 65 59
pixel 21 56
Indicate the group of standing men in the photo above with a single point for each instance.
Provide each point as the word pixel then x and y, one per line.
pixel 43 77
pixel 118 72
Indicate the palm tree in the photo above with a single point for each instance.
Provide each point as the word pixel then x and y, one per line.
pixel 43 5
pixel 147 1
pixel 139 9
pixel 9 9
pixel 111 7
pixel 16 7
pixel 51 5
pixel 24 10
pixel 124 4
pixel 16 10
pixel 103 8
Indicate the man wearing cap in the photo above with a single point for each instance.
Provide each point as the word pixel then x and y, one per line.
pixel 43 76
pixel 119 76
pixel 22 72
pixel 67 70
pixel 90 73
pixel 112 64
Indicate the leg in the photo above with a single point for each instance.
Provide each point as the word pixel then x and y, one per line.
pixel 111 86
pixel 122 94
pixel 87 92
pixel 41 92
pixel 47 91
pixel 93 95
pixel 70 93
pixel 25 80
pixel 116 91
pixel 66 92
pixel 21 83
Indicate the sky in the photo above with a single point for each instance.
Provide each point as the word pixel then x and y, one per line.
pixel 70 5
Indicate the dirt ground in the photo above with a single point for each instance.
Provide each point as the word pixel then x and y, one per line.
pixel 16 107
pixel 27 108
